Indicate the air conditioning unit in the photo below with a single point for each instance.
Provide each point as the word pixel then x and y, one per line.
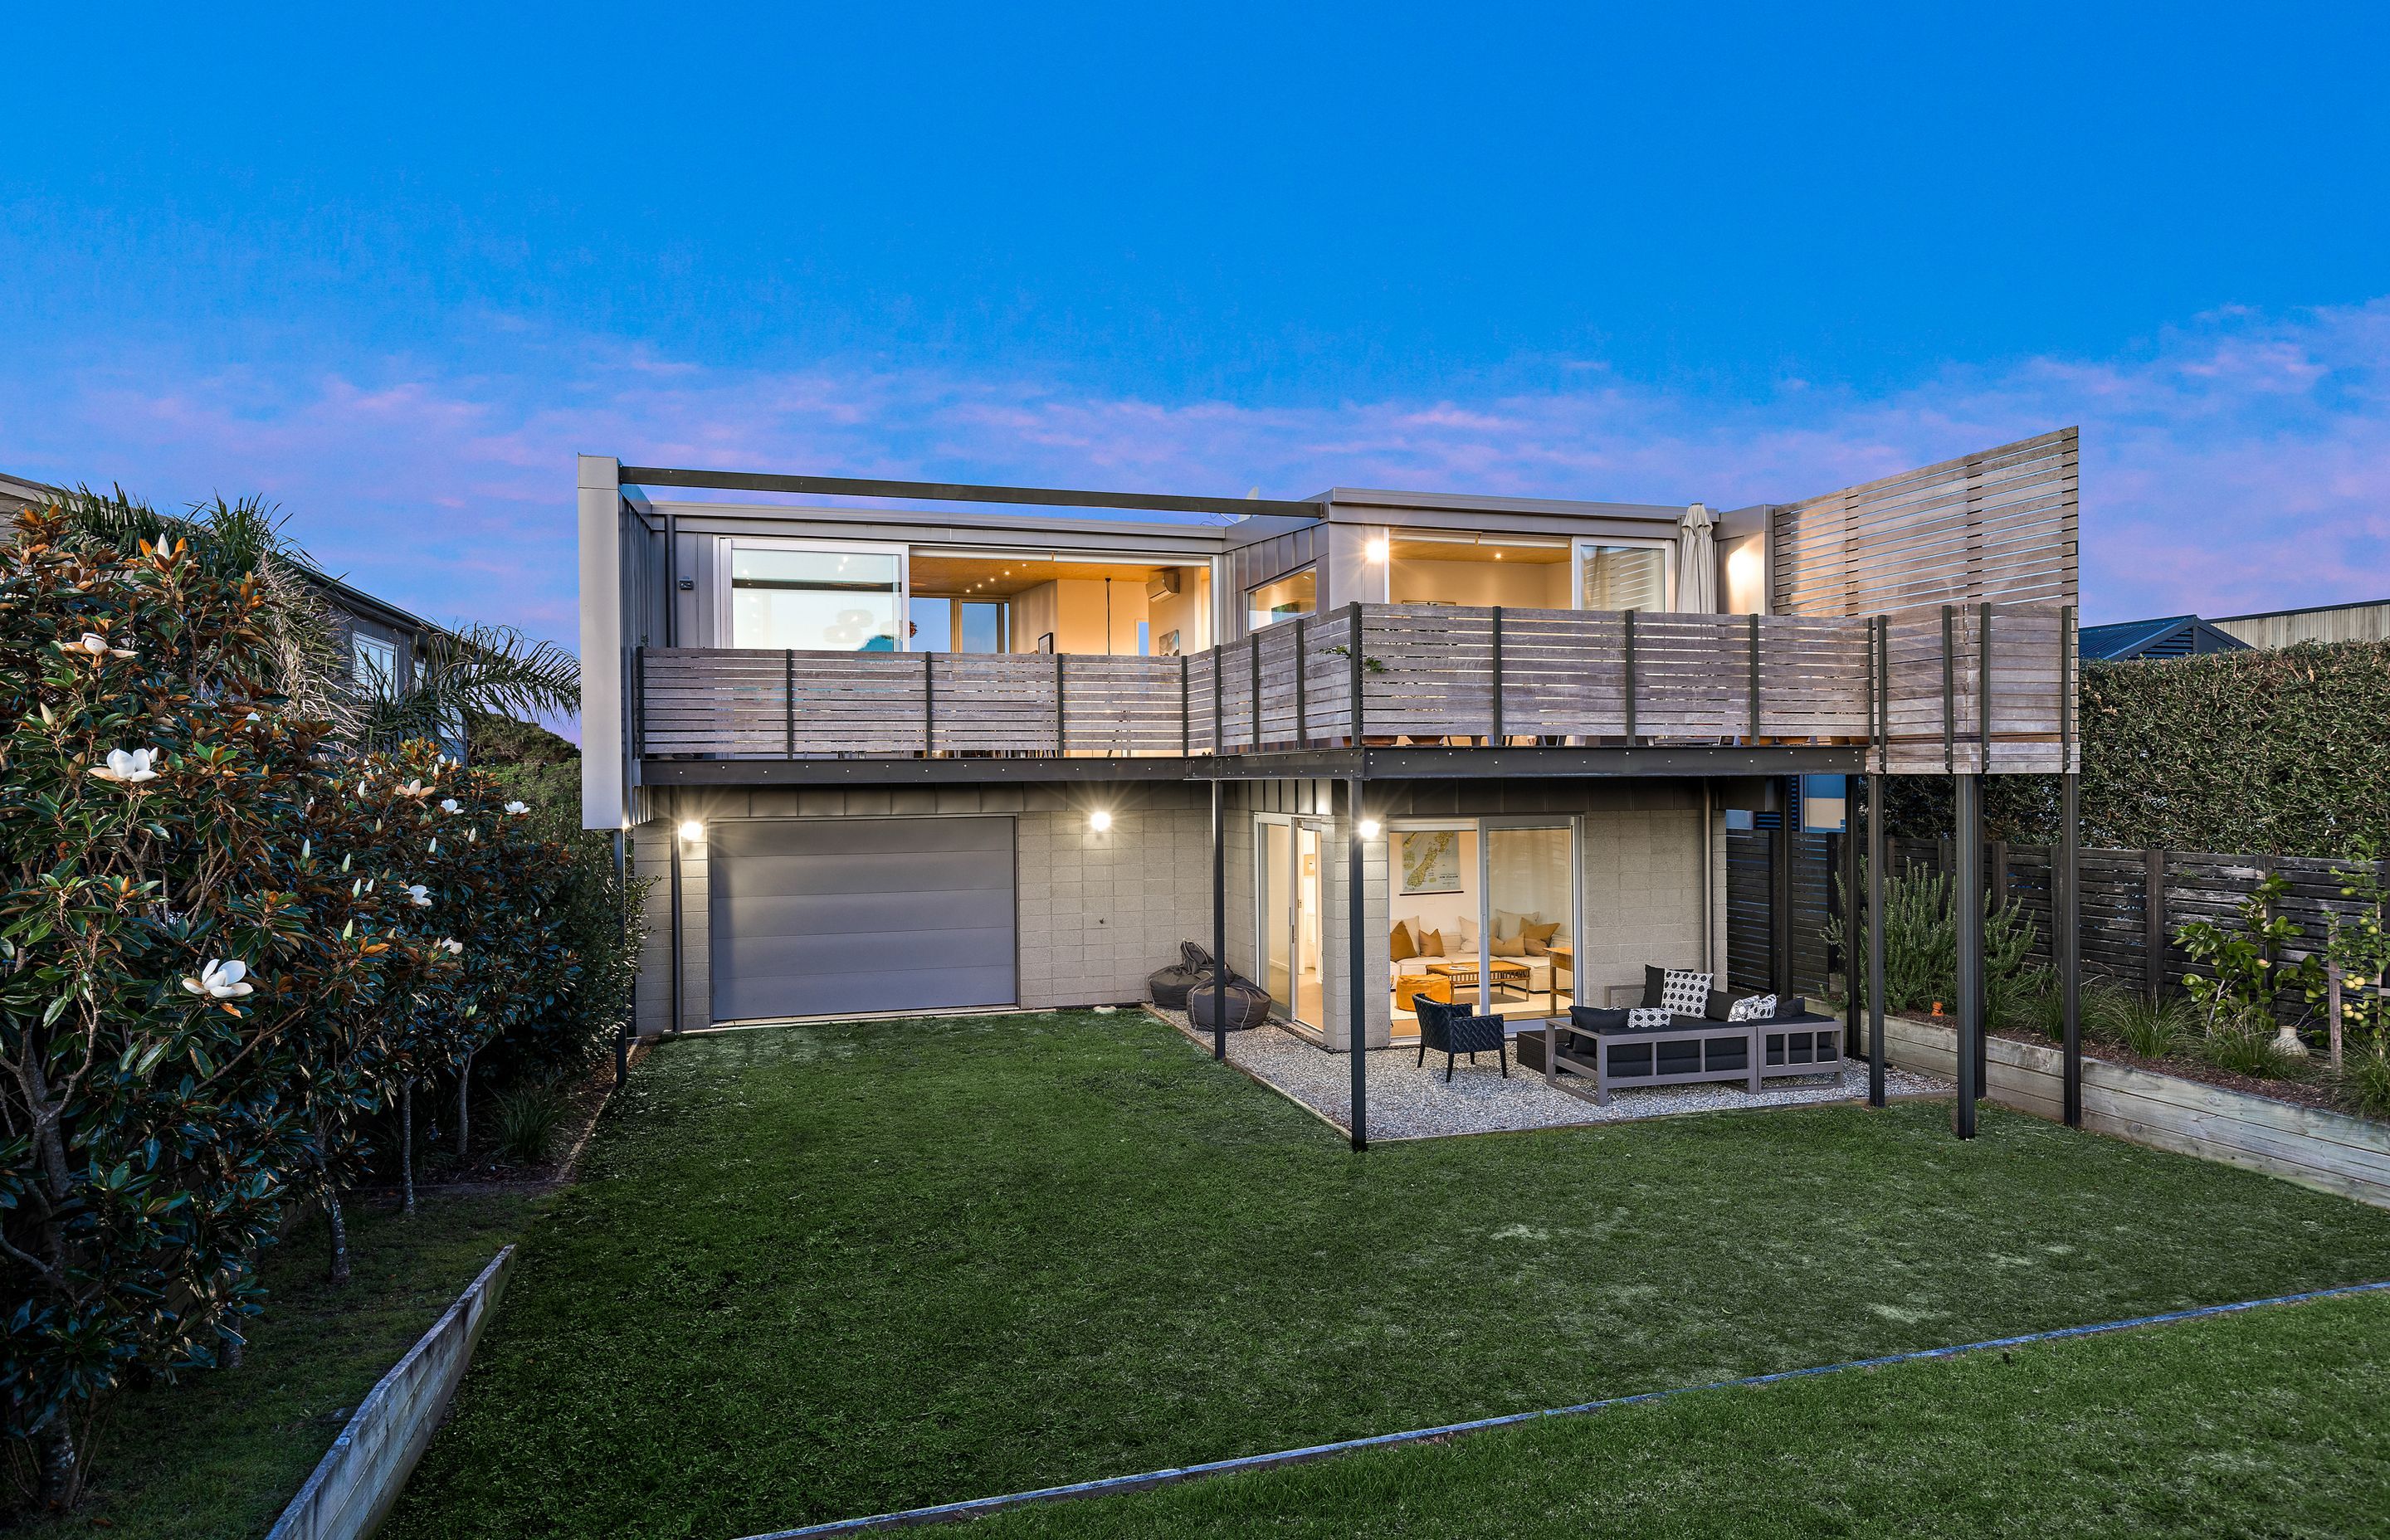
pixel 1165 585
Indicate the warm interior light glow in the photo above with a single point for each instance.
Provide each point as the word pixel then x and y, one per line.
pixel 1742 577
pixel 1369 828
pixel 1378 548
pixel 1100 820
pixel 692 831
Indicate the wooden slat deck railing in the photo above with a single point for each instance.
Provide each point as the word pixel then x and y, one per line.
pixel 1909 687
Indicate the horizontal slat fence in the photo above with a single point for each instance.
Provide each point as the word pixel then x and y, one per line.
pixel 2121 890
pixel 1427 674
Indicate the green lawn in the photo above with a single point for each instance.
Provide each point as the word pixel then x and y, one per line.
pixel 216 1456
pixel 819 1272
pixel 2268 1423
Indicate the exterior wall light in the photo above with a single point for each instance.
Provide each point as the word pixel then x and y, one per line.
pixel 1369 828
pixel 692 831
pixel 1100 820
pixel 1376 549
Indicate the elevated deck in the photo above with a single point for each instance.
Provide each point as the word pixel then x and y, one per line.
pixel 1940 689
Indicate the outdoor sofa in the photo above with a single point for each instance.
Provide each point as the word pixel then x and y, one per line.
pixel 1608 1047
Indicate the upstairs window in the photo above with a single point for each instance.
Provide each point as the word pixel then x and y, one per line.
pixel 819 600
pixel 373 664
pixel 1282 599
pixel 1622 577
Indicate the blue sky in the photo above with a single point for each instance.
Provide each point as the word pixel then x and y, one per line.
pixel 393 269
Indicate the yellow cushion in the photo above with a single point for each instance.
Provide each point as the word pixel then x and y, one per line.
pixel 1400 944
pixel 1431 943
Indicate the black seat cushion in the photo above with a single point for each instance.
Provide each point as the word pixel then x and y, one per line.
pixel 1594 1019
pixel 1655 979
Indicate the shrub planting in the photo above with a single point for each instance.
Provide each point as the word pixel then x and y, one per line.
pixel 229 940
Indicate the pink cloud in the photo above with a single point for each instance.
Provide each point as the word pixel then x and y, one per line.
pixel 2241 462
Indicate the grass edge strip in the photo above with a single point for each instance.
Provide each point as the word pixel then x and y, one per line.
pixel 978 1508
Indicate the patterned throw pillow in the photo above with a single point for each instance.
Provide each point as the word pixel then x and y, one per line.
pixel 1754 1008
pixel 1684 993
pixel 1645 1019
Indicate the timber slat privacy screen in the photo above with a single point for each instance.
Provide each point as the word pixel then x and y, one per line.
pixel 2000 526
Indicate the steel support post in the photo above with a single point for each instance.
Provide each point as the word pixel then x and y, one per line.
pixel 1875 829
pixel 1219 923
pixel 1967 907
pixel 1356 1022
pixel 2068 900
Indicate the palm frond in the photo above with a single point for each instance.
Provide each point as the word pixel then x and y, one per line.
pixel 493 668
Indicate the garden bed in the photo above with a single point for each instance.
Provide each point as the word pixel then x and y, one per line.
pixel 2329 1151
pixel 2306 1091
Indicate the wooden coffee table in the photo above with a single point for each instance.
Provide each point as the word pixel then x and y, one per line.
pixel 1463 975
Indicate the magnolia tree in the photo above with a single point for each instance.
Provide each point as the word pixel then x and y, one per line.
pixel 170 953
pixel 475 929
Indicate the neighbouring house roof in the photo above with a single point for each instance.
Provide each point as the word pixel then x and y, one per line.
pixel 2365 621
pixel 2166 636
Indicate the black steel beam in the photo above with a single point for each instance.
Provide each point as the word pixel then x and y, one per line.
pixel 1779 892
pixel 959 491
pixel 1325 763
pixel 1429 763
pixel 909 772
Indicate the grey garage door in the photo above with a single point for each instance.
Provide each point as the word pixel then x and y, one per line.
pixel 840 915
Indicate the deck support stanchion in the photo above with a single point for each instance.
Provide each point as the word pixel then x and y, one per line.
pixel 1357 1019
pixel 1967 907
pixel 2066 874
pixel 1875 828
pixel 1219 924
pixel 1854 916
pixel 2069 901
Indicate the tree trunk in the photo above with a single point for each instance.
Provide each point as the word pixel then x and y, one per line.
pixel 229 1356
pixel 340 1272
pixel 464 1107
pixel 61 1471
pixel 406 1147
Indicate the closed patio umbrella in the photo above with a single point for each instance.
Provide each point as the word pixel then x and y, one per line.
pixel 1696 562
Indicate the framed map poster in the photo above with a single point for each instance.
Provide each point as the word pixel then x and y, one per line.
pixel 1430 860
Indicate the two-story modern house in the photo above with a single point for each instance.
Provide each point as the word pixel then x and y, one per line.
pixel 904 748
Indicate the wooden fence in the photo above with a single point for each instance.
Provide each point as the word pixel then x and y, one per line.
pixel 2133 901
pixel 1914 689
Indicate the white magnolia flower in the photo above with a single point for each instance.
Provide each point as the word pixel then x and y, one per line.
pixel 433 848
pixel 416 789
pixel 451 945
pixel 96 645
pixel 450 804
pixel 219 981
pixel 418 894
pixel 129 765
pixel 519 807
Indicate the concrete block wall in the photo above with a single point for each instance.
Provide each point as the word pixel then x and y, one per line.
pixel 1101 910
pixel 1641 898
pixel 1377 935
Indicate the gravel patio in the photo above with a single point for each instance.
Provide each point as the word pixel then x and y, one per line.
pixel 1411 1101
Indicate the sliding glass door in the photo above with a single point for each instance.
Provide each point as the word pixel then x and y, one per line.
pixel 1287 908
pixel 1485 916
pixel 1531 917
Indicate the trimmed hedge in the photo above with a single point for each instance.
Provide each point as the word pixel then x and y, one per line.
pixel 2280 752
